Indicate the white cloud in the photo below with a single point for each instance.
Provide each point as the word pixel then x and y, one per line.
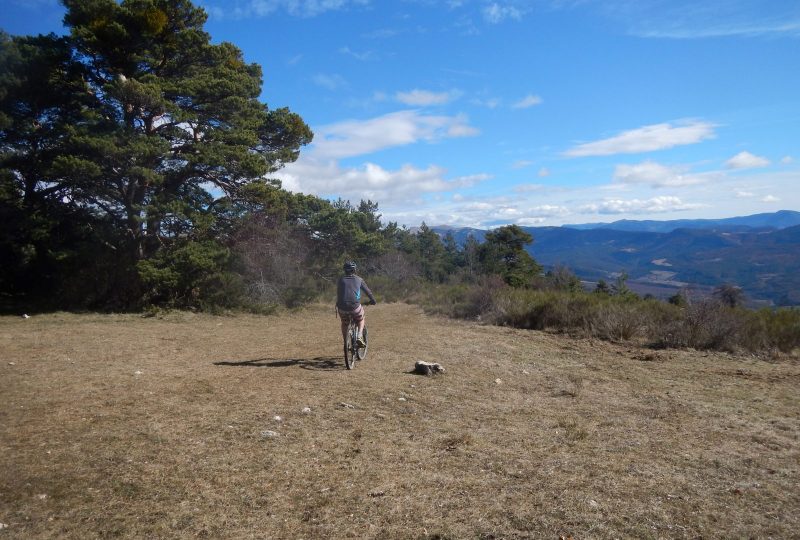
pixel 296 8
pixel 496 13
pixel 363 56
pixel 370 181
pixel 528 101
pixel 531 221
pixel 707 19
pixel 521 164
pixel 361 137
pixel 744 194
pixel 646 139
pixel 319 172
pixel 657 175
pixel 331 82
pixel 786 160
pixel 770 199
pixel 638 206
pixel 423 98
pixel 527 188
pixel 491 103
pixel 746 160
pixel 543 172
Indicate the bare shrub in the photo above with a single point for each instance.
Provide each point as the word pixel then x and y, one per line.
pixel 272 259
pixel 777 330
pixel 706 324
pixel 573 386
pixel 617 321
pixel 481 301
pixel 395 265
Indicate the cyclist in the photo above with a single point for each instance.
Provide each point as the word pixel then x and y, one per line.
pixel 348 300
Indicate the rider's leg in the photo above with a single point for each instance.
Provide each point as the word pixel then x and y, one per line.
pixel 361 324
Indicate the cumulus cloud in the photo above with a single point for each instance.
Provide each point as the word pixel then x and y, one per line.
pixel 746 160
pixel 361 137
pixel 639 206
pixel 770 199
pixel 657 175
pixel 319 172
pixel 496 13
pixel 528 101
pixel 531 221
pixel 423 98
pixel 371 181
pixel 646 139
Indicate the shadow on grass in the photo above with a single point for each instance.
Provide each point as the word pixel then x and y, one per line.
pixel 324 363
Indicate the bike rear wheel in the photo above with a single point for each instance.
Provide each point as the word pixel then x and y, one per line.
pixel 351 346
pixel 362 351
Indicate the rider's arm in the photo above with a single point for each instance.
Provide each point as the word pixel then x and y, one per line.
pixel 369 292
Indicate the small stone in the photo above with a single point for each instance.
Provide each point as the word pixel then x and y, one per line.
pixel 525 372
pixel 401 399
pixel 41 496
pixel 26 316
pixel 137 373
pixel 306 410
pixel 347 405
pixel 277 418
pixel 593 503
pixel 377 493
pixel 3 526
pixel 12 363
pixel 268 434
pixel 498 381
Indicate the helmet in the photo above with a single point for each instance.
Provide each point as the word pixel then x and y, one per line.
pixel 349 266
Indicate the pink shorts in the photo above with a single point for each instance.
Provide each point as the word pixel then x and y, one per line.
pixel 357 315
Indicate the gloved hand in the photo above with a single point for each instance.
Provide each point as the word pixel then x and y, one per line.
pixel 372 302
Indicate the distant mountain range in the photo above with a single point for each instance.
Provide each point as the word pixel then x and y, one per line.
pixel 775 220
pixel 760 253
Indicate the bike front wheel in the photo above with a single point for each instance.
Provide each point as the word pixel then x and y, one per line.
pixel 362 351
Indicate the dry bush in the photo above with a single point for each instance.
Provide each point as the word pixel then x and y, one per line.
pixel 706 324
pixel 617 321
pixel 780 329
pixel 395 265
pixel 573 386
pixel 273 261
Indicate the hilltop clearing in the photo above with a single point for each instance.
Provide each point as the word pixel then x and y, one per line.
pixel 118 425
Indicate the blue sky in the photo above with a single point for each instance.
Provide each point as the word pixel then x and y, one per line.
pixel 543 112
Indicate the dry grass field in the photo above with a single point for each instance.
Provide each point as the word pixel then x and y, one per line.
pixel 132 427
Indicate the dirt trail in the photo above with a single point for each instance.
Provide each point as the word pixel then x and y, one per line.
pixel 145 427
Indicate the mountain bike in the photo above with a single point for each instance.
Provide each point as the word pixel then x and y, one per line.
pixel 352 351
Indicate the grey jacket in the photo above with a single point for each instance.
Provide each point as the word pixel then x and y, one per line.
pixel 348 292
